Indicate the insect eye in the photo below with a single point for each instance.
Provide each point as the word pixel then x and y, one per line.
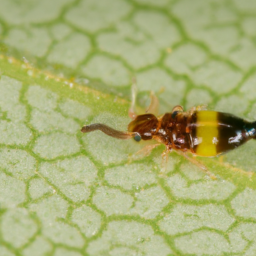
pixel 174 114
pixel 137 137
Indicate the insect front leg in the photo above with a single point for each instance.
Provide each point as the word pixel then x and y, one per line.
pixel 152 108
pixel 154 104
pixel 177 108
pixel 146 151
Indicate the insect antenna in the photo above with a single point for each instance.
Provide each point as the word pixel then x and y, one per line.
pixel 110 131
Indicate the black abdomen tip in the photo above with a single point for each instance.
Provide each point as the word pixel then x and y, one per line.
pixel 251 129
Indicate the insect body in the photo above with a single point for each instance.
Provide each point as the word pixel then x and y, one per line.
pixel 201 132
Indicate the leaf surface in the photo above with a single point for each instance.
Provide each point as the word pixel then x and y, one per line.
pixel 67 193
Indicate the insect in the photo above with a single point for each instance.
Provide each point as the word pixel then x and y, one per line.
pixel 198 131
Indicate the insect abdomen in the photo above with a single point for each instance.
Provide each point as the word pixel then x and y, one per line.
pixel 214 133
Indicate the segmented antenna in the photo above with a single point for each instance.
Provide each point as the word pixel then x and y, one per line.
pixel 110 131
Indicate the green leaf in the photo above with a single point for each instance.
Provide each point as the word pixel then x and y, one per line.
pixel 67 193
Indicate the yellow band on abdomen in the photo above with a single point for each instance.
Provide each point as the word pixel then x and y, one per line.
pixel 207 133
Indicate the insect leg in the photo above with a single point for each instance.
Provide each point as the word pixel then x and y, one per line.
pixel 154 104
pixel 198 163
pixel 165 155
pixel 177 108
pixel 143 152
pixel 132 113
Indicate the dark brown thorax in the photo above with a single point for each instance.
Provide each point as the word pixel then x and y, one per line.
pixel 176 130
pixel 171 129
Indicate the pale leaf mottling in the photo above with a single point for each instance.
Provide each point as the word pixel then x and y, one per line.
pixel 65 193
